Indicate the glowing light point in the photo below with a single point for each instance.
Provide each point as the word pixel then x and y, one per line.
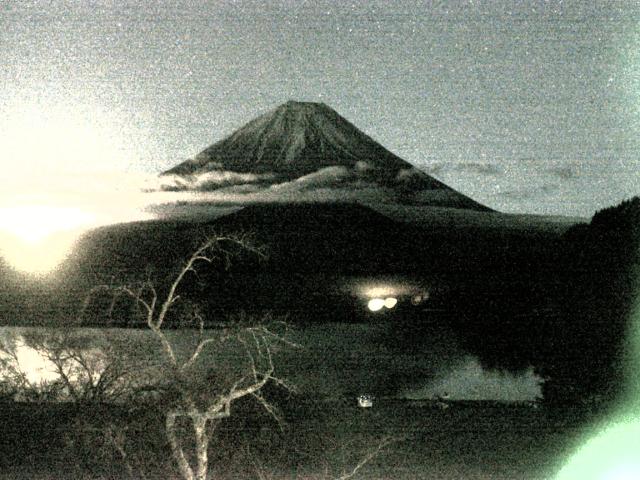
pixel 390 302
pixel 419 298
pixel 376 304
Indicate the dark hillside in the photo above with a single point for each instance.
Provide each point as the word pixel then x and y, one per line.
pixel 345 238
pixel 601 273
pixel 310 247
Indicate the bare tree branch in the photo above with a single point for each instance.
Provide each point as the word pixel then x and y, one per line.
pixel 271 410
pixel 196 353
pixel 175 382
pixel 367 458
pixel 176 447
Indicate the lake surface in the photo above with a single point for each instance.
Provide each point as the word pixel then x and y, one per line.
pixel 333 360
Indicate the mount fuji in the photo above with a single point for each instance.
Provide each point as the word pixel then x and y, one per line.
pixel 304 151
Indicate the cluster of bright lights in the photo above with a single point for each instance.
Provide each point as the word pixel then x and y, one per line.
pixel 385 295
pixel 377 304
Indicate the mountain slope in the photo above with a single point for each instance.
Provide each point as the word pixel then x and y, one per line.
pixel 307 151
pixel 296 137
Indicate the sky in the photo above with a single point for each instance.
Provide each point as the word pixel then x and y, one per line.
pixel 526 106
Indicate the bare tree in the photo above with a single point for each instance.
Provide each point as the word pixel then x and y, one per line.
pixel 81 367
pixel 193 383
pixel 194 392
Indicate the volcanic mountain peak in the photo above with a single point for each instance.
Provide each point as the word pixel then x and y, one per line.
pixel 305 151
pixel 296 138
pixel 304 107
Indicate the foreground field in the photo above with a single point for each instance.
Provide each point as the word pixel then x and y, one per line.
pixel 321 440
pixel 464 440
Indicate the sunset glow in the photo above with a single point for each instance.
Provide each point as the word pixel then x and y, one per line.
pixel 36 238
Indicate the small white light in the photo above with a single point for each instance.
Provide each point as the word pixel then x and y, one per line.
pixel 418 298
pixel 390 302
pixel 376 304
pixel 365 401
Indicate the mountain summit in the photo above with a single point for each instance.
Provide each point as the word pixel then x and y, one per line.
pixel 305 146
pixel 296 138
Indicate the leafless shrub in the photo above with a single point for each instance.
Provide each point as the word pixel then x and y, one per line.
pixel 192 393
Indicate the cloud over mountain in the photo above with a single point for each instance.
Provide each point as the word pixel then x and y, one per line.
pixel 307 151
pixel 211 180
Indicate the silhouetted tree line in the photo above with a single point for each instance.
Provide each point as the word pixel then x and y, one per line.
pixel 569 316
pixel 586 349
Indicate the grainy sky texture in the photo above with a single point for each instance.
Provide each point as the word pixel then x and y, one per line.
pixel 527 106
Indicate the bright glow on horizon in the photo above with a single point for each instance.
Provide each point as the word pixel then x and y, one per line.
pixel 37 238
pixel 380 291
pixel 33 223
pixel 64 172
